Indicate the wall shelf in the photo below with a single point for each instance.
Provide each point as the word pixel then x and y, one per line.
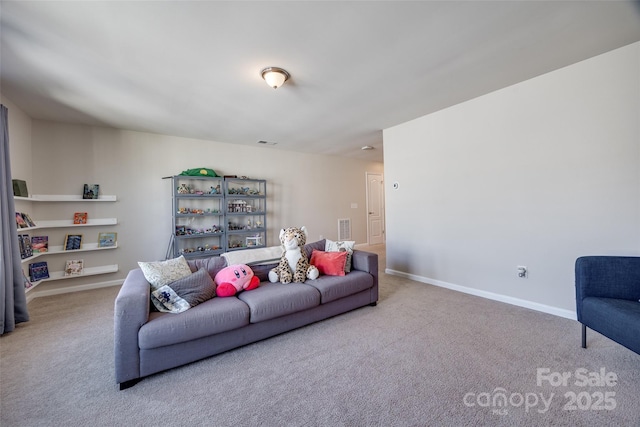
pixel 88 271
pixel 65 198
pixel 68 224
pixel 54 250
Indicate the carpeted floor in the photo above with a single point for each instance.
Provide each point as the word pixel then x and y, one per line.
pixel 425 356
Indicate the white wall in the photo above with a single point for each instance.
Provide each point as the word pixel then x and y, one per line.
pixel 302 189
pixel 19 142
pixel 536 174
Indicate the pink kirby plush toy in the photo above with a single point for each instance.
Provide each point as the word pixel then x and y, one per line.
pixel 235 278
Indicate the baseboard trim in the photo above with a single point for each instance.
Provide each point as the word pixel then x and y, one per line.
pixel 68 289
pixel 568 314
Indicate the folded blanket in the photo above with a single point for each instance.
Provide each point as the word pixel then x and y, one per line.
pixel 254 256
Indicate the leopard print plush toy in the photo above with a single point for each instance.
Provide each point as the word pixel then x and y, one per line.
pixel 294 265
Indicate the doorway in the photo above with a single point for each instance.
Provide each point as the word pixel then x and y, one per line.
pixel 375 208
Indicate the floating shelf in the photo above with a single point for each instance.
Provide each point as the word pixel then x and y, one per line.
pixel 88 271
pixel 65 198
pixel 86 247
pixel 68 223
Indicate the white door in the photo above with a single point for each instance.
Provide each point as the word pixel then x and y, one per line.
pixel 375 208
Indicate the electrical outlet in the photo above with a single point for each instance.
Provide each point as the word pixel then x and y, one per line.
pixel 321 237
pixel 523 271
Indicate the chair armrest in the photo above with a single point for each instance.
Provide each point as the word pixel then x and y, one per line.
pixel 130 313
pixel 607 277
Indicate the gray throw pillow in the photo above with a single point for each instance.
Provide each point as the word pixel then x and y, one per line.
pixel 184 293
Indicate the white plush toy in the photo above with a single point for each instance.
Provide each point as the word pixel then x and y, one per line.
pixel 294 265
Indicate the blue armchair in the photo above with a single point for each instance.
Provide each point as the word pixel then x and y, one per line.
pixel 608 298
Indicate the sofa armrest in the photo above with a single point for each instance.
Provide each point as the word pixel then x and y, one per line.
pixel 131 312
pixel 368 262
pixel 607 277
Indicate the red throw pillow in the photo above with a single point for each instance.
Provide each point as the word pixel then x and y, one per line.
pixel 329 263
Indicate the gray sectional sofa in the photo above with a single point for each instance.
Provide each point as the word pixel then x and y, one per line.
pixel 147 342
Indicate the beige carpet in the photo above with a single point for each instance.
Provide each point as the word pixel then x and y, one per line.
pixel 425 356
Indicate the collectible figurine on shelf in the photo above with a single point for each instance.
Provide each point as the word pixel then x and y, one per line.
pixel 183 189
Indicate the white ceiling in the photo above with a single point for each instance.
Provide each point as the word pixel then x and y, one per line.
pixel 192 69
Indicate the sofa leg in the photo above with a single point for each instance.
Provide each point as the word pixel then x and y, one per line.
pixel 373 304
pixel 584 336
pixel 127 384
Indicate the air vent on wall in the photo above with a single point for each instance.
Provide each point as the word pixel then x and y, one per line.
pixel 344 229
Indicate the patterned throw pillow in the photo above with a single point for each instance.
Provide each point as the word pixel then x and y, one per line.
pixel 167 301
pixel 184 293
pixel 343 246
pixel 160 273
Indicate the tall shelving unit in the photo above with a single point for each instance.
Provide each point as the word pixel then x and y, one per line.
pixel 213 215
pixel 246 213
pixel 53 250
pixel 198 227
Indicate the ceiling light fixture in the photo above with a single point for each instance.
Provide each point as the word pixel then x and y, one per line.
pixel 367 147
pixel 274 76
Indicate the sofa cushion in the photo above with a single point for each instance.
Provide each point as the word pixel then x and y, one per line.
pixel 614 318
pixel 319 246
pixel 335 287
pixel 211 264
pixel 273 300
pixel 211 317
pixel 261 271
pixel 160 273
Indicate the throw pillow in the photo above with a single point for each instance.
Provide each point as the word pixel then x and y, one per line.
pixel 160 273
pixel 184 293
pixel 346 245
pixel 329 263
pixel 167 301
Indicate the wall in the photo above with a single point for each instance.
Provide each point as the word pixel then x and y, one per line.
pixel 302 189
pixel 19 142
pixel 536 174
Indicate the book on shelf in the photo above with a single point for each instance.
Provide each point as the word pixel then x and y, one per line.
pixel 40 244
pixel 20 222
pixel 72 242
pixel 38 271
pixel 80 218
pixel 20 188
pixel 21 245
pixel 107 239
pixel 27 282
pixel 74 267
pixel 28 219
pixel 91 191
pixel 25 246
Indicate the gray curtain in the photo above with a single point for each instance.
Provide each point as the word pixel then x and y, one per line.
pixel 13 301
